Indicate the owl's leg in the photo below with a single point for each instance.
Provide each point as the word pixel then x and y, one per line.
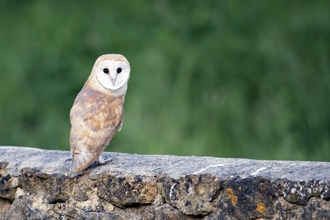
pixel 101 160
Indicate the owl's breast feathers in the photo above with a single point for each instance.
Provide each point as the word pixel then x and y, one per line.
pixel 94 117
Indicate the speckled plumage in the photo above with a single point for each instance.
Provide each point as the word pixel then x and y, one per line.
pixel 96 115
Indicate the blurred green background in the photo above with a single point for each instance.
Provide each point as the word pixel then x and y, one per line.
pixel 218 78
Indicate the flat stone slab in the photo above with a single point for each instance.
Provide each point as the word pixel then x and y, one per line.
pixel 37 183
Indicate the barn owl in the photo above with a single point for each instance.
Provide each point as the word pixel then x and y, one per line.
pixel 98 109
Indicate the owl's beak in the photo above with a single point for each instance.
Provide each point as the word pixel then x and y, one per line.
pixel 113 80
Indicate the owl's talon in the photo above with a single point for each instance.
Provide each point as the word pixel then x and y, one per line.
pixel 102 161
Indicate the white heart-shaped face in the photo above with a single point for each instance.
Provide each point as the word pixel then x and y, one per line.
pixel 112 74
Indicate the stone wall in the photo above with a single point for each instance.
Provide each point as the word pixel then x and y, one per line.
pixel 36 184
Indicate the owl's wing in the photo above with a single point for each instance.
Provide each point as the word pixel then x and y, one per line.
pixel 122 118
pixel 94 117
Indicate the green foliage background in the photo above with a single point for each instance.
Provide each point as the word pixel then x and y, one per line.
pixel 219 78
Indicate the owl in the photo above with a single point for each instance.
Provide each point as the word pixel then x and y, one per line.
pixel 98 110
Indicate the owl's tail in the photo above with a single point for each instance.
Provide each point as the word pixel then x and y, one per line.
pixel 81 160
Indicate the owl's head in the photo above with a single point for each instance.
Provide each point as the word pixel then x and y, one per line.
pixel 111 71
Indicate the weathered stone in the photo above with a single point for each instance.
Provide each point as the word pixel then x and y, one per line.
pixel 163 212
pixel 127 191
pixel 300 192
pixel 4 207
pixel 248 198
pixel 8 184
pixel 191 194
pixel 37 184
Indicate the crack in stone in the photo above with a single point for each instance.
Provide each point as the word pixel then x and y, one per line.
pixel 171 192
pixel 211 166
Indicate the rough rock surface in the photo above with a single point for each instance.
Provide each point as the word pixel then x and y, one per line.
pixel 36 184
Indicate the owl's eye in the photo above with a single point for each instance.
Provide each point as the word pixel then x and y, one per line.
pixel 106 70
pixel 118 70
